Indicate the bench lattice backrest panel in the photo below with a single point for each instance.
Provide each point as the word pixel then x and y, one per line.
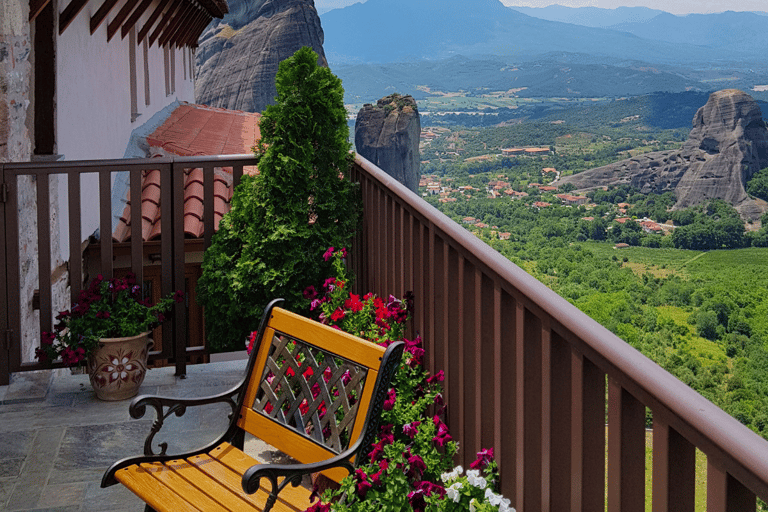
pixel 314 392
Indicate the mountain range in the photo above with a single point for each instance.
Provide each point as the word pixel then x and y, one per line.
pixel 380 31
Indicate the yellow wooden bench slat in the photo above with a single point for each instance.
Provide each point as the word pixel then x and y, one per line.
pixel 159 497
pixel 170 478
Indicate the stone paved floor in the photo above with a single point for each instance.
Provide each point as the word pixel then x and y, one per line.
pixel 58 438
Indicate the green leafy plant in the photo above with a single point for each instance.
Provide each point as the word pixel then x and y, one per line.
pixel 298 204
pixel 111 308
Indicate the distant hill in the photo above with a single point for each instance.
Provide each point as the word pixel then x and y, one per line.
pixel 590 16
pixel 380 31
pixel 732 31
pixel 554 75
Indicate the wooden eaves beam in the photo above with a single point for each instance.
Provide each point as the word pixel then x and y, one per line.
pixel 69 13
pixel 120 18
pixel 181 15
pixel 128 25
pixel 189 21
pixel 36 7
pixel 183 35
pixel 194 34
pixel 98 18
pixel 164 21
pixel 151 21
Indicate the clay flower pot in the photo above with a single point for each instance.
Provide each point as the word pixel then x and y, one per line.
pixel 118 365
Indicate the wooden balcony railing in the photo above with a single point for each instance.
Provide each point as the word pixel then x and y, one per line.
pixel 526 372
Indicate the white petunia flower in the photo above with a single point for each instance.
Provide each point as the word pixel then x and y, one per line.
pixel 493 498
pixel 472 505
pixel 474 478
pixel 457 471
pixel 453 492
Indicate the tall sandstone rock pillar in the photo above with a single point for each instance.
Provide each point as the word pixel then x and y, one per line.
pixel 387 134
pixel 238 56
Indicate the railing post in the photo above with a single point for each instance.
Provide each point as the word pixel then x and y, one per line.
pixel 5 353
pixel 180 312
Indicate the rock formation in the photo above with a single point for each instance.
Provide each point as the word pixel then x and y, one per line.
pixel 239 55
pixel 727 145
pixel 387 134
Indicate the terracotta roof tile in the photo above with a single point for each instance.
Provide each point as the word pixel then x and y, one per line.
pixel 193 130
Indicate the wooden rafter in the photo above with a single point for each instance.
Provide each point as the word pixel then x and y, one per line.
pixel 187 29
pixel 195 34
pixel 128 25
pixel 69 13
pixel 151 21
pixel 164 21
pixel 98 18
pixel 36 7
pixel 121 15
pixel 181 17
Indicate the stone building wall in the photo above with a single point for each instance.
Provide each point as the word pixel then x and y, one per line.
pixel 16 146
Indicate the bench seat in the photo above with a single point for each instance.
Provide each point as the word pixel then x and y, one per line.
pixel 205 482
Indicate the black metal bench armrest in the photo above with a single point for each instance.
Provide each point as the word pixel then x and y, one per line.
pixel 165 406
pixel 292 474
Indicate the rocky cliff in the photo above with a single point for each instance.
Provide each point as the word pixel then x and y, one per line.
pixel 727 145
pixel 239 55
pixel 387 134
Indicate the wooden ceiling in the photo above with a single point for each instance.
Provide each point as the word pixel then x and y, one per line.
pixel 175 22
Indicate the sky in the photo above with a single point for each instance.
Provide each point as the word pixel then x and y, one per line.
pixel 673 6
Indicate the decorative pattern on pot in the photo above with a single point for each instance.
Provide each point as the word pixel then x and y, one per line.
pixel 118 366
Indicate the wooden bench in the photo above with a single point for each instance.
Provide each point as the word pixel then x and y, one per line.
pixel 313 392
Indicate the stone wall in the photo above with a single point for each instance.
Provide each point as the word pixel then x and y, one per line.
pixel 15 146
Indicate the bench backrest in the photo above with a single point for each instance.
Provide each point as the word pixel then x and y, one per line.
pixel 311 388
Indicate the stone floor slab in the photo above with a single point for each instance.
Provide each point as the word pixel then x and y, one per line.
pixel 28 386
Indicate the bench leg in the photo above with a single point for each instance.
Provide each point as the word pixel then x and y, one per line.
pixel 147 508
pixel 238 440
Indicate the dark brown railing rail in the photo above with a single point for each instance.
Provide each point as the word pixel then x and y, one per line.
pixel 15 180
pixel 526 373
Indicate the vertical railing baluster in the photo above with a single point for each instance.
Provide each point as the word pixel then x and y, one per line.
pixel 454 322
pixel 529 403
pixel 561 423
pixel 626 450
pixel 486 394
pixel 5 360
pixel 105 222
pixel 674 466
pixel 137 240
pixel 506 445
pixel 588 435
pixel 545 383
pixel 44 250
pixel 209 220
pixel 13 279
pixel 725 493
pixel 178 279
pixel 166 251
pixel 75 238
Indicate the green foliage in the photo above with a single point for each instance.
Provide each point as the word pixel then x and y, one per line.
pixel 299 204
pixel 716 225
pixel 758 184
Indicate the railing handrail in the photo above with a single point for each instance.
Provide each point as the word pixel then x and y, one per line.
pixel 743 453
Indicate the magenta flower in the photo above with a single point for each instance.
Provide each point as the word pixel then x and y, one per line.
pixel 389 403
pixel 328 254
pixel 484 457
pixel 309 292
pixel 410 429
pixel 438 377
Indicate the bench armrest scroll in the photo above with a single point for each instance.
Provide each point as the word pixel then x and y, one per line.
pixel 291 473
pixel 166 406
